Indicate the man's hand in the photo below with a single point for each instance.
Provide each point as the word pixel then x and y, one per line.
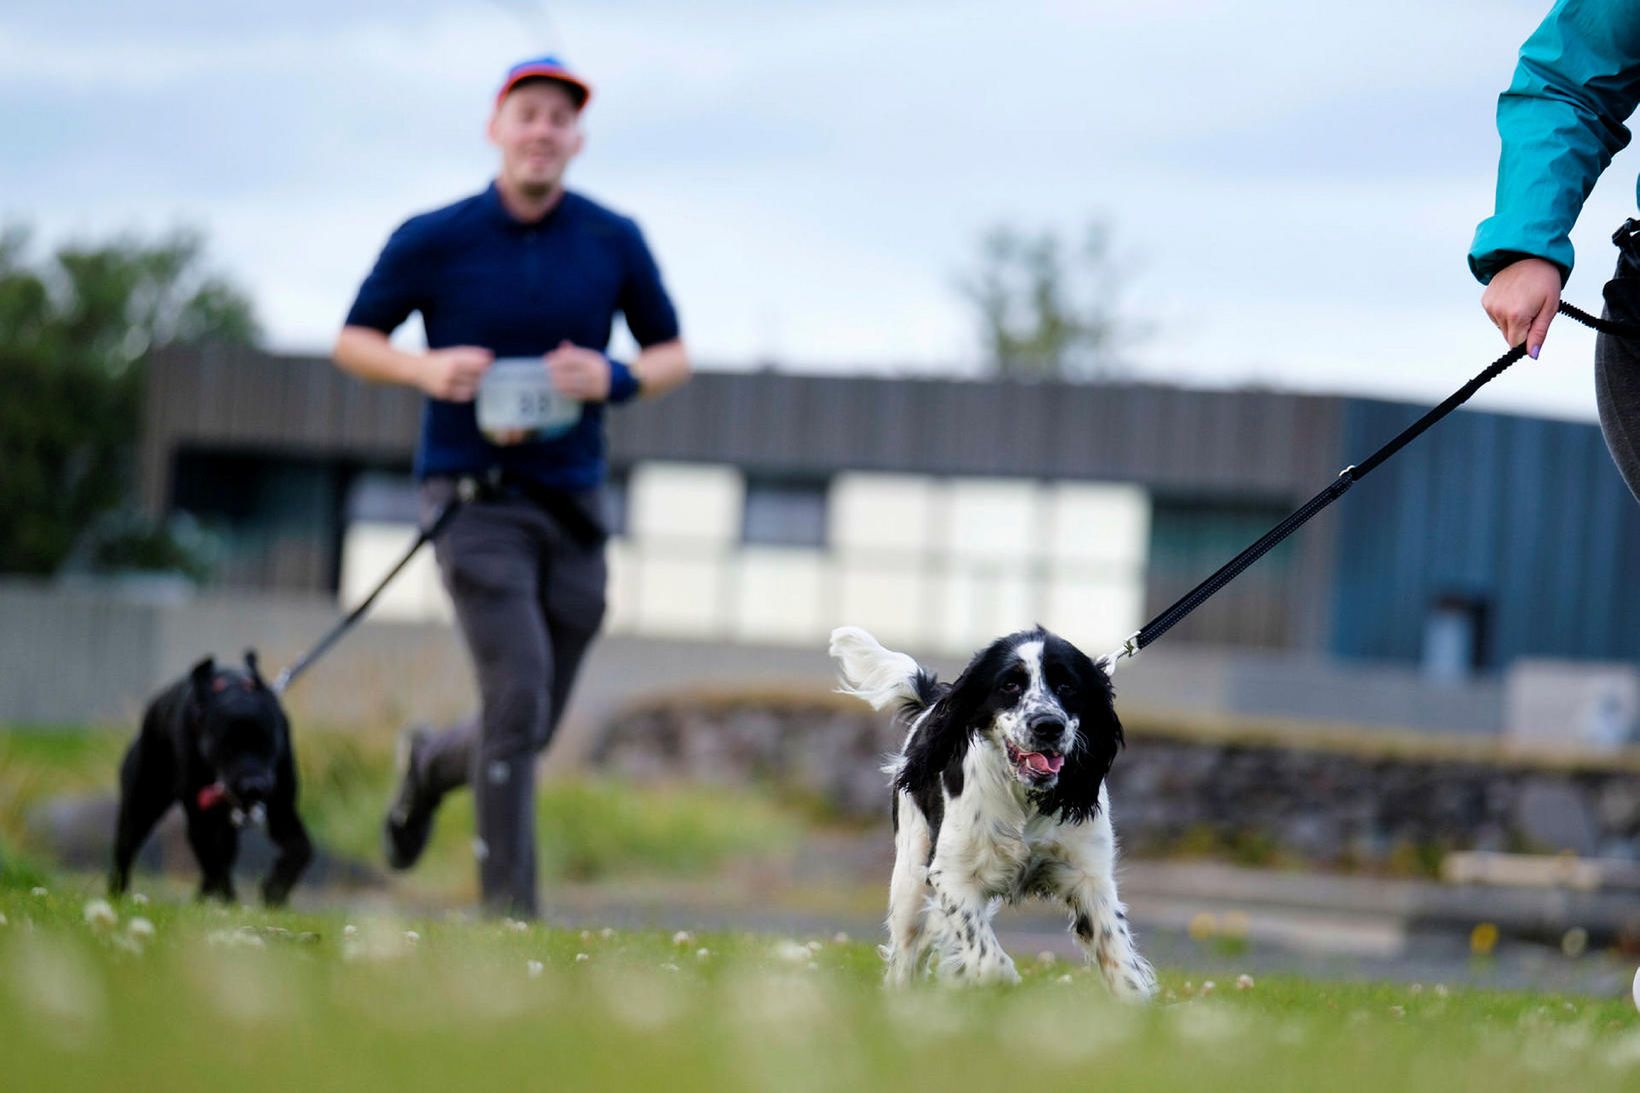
pixel 1522 299
pixel 579 373
pixel 452 374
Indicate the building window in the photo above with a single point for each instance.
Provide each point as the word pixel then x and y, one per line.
pixel 784 512
pixel 1455 638
pixel 1190 538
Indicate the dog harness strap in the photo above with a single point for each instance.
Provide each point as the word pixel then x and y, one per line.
pixel 1350 475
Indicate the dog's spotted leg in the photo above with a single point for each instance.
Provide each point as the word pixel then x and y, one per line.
pixel 1099 922
pixel 1087 883
pixel 906 894
pixel 968 946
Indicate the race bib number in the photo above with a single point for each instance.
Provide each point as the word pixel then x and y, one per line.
pixel 516 400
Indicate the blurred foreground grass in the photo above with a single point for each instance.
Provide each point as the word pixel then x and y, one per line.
pixel 588 828
pixel 195 997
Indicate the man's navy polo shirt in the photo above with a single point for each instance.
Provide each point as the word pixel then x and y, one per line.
pixel 480 277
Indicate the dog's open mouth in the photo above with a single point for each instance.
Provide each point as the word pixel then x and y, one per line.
pixel 1034 766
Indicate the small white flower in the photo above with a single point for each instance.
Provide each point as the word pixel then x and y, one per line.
pixel 702 953
pixel 140 899
pixel 411 936
pixel 1416 988
pixel 791 952
pixel 1064 978
pixel 1244 982
pixel 839 938
pixel 99 914
pixel 350 930
pixel 606 933
pixel 534 968
pixel 682 937
pixel 38 892
pixel 518 926
pixel 1045 957
pixel 582 958
pixel 1441 991
pixel 1398 1011
pixel 814 946
pixel 670 967
pixel 140 928
pixel 1207 988
pixel 586 935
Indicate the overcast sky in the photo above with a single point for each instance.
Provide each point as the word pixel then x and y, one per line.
pixel 1292 185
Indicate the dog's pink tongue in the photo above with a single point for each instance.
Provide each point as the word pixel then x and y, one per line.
pixel 1042 764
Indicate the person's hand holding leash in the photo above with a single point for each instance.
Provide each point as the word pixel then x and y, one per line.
pixel 452 374
pixel 579 373
pixel 1521 301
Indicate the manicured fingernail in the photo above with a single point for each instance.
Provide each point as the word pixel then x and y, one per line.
pixel 1533 352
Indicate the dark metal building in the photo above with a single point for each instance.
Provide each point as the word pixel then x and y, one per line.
pixel 1494 537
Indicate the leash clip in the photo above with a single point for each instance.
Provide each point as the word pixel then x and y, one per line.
pixel 1129 649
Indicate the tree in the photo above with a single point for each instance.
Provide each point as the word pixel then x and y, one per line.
pixel 75 332
pixel 1048 310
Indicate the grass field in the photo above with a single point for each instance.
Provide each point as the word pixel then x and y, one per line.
pixel 151 996
pixel 589 828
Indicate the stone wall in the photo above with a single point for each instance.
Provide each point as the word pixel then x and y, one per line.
pixel 1366 802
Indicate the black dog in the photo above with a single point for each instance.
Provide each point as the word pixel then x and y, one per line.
pixel 219 742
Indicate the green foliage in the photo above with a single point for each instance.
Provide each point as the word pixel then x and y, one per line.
pixel 587 828
pixel 1048 309
pixel 75 333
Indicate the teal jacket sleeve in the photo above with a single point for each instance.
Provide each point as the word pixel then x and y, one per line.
pixel 1561 121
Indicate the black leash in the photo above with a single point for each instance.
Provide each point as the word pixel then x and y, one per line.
pixel 319 649
pixel 1347 477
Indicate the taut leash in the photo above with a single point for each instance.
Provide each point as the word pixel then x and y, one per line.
pixel 1347 477
pixel 427 534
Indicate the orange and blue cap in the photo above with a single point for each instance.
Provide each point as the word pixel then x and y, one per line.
pixel 546 68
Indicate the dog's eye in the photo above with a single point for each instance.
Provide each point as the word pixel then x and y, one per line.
pixel 1010 687
pixel 1065 690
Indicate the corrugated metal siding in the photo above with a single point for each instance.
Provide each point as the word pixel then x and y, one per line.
pixel 1227 443
pixel 1525 514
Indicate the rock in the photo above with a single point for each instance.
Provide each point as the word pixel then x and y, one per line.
pixel 1552 816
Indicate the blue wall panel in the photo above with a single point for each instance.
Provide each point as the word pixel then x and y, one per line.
pixel 1524 515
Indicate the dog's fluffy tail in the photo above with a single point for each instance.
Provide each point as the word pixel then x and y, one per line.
pixel 884 678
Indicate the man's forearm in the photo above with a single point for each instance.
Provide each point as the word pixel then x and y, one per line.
pixel 370 355
pixel 661 368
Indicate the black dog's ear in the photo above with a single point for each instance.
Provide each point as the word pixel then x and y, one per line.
pixel 250 665
pixel 203 675
pixel 942 738
pixel 1075 797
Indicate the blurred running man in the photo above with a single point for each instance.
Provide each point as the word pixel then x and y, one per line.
pixel 524 268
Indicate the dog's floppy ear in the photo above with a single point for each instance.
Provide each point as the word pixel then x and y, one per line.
pixel 1075 797
pixel 201 678
pixel 250 666
pixel 942 738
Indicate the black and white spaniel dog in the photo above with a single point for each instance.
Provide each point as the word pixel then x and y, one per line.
pixel 999 794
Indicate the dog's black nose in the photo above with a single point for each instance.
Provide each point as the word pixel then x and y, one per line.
pixel 255 786
pixel 1046 729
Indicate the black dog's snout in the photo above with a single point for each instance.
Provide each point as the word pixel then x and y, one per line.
pixel 254 786
pixel 1046 729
